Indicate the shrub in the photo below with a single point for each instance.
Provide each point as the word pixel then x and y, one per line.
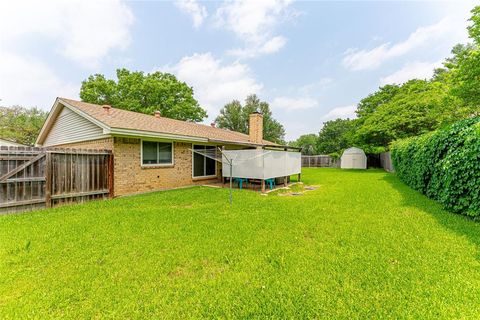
pixel 444 165
pixel 334 155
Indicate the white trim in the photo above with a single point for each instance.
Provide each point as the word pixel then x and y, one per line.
pixel 150 134
pixel 172 163
pixel 204 163
pixel 77 141
pixel 45 124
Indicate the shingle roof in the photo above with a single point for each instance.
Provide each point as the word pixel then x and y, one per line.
pixel 123 119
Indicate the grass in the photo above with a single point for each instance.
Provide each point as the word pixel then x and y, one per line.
pixel 361 246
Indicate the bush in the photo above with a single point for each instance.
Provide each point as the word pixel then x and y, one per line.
pixel 334 155
pixel 444 165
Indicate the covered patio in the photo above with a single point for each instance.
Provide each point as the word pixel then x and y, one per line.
pixel 260 168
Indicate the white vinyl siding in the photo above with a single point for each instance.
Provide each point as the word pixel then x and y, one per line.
pixel 70 127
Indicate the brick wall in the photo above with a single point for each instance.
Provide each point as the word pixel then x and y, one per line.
pixel 106 143
pixel 129 175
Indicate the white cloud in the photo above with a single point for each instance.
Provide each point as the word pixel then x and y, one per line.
pixel 273 45
pixel 28 82
pixel 83 31
pixel 197 12
pixel 253 22
pixel 340 112
pixel 288 104
pixel 413 70
pixel 447 32
pixel 214 82
pixel 315 87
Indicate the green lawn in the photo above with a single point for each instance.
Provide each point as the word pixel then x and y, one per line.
pixel 362 245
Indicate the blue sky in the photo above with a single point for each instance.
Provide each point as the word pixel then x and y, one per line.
pixel 312 60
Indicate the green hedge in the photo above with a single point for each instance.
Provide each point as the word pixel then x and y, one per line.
pixel 444 165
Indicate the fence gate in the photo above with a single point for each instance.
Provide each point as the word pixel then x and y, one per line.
pixel 32 178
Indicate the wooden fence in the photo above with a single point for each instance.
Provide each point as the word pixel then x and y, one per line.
pixel 32 178
pixel 386 161
pixel 324 161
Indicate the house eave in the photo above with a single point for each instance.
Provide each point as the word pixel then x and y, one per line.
pixel 150 134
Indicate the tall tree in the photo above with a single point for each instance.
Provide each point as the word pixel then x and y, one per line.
pixel 370 104
pixel 144 93
pixel 466 69
pixel 308 143
pixel 20 124
pixel 474 28
pixel 418 107
pixel 234 116
pixel 334 136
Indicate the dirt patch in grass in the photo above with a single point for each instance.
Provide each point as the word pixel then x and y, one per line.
pixel 295 189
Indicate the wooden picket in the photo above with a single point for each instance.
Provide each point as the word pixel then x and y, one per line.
pixel 32 178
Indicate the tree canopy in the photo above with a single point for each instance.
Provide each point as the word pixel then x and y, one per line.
pixel 145 93
pixel 20 124
pixel 419 106
pixel 369 105
pixel 334 136
pixel 397 111
pixel 233 116
pixel 308 143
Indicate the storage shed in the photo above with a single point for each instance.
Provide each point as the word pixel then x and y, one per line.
pixel 354 158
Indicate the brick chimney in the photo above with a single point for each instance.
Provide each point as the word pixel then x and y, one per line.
pixel 255 127
pixel 106 108
pixel 157 114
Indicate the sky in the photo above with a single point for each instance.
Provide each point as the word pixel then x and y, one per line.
pixel 312 61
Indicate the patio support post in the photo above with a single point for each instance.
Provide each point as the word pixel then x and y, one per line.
pixel 299 177
pixel 223 178
pixel 285 181
pixel 263 186
pixel 231 178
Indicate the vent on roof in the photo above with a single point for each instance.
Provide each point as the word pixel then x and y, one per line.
pixel 106 108
pixel 212 124
pixel 157 114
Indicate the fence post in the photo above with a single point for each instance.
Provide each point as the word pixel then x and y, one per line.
pixel 48 179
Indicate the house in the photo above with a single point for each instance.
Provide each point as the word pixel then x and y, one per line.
pixel 151 152
pixel 8 143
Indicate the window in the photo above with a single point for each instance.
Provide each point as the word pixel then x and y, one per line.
pixel 203 166
pixel 157 153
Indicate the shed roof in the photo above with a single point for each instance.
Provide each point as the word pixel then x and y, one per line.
pixel 353 150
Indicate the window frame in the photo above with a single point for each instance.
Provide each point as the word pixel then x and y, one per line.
pixel 204 163
pixel 156 165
